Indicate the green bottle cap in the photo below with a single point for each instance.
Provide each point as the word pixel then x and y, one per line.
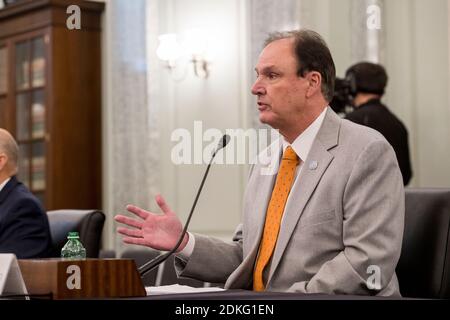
pixel 72 235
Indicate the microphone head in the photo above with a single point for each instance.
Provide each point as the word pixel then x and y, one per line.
pixel 222 144
pixel 224 141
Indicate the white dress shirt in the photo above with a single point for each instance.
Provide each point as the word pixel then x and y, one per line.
pixel 4 184
pixel 301 145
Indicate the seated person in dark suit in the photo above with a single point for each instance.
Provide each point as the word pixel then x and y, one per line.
pixel 24 227
pixel 369 80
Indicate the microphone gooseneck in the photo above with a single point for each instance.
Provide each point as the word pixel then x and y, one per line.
pixel 152 264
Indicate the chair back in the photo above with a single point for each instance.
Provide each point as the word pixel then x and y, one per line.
pixel 424 266
pixel 88 223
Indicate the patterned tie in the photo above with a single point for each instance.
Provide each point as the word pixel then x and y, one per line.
pixel 275 210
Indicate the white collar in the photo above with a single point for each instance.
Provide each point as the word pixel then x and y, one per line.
pixel 302 144
pixel 4 184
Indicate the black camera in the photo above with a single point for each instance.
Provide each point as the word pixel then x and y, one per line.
pixel 364 77
pixel 344 92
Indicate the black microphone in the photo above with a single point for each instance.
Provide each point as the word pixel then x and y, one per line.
pixel 152 264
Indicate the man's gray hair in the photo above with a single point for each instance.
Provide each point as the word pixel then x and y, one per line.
pixel 9 146
pixel 312 54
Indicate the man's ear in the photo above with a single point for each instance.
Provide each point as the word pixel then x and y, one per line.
pixel 3 161
pixel 315 83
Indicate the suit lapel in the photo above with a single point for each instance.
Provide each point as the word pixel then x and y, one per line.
pixel 265 180
pixel 313 168
pixel 7 188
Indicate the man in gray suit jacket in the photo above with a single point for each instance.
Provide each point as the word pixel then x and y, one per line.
pixel 342 224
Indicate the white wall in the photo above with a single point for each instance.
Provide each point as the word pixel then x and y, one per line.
pixel 332 20
pixel 218 101
pixel 417 60
pixel 416 56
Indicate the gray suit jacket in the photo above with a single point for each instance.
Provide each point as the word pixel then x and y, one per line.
pixel 342 227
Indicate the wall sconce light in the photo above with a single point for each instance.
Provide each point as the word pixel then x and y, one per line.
pixel 194 48
pixel 168 50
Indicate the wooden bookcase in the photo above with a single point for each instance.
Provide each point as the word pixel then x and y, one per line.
pixel 50 99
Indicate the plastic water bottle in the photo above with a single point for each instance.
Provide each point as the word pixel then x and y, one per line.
pixel 73 249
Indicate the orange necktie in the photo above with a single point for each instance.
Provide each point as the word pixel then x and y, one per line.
pixel 274 214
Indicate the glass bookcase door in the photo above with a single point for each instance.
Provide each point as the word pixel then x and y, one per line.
pixel 3 84
pixel 38 62
pixel 2 112
pixel 38 166
pixel 3 71
pixel 23 65
pixel 24 164
pixel 22 116
pixel 38 115
pixel 30 113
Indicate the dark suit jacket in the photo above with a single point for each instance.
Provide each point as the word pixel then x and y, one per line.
pixel 375 115
pixel 24 228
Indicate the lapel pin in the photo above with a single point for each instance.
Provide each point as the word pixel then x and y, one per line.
pixel 313 165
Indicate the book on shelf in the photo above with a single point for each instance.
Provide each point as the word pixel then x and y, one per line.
pixel 23 130
pixel 23 76
pixel 37 163
pixel 38 68
pixel 23 172
pixel 38 120
pixel 38 182
pixel 38 172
